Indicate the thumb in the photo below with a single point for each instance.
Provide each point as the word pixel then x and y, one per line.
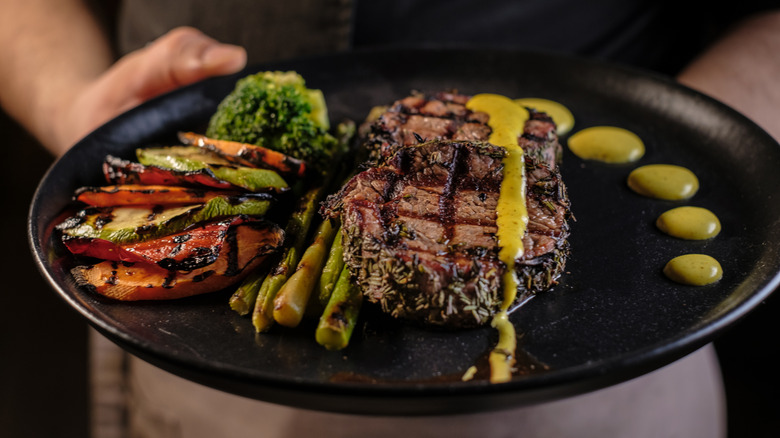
pixel 180 57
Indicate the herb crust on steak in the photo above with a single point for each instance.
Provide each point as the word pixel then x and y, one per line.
pixel 419 227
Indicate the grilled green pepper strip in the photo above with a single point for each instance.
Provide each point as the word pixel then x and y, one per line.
pixel 193 158
pixel 332 269
pixel 295 232
pixel 340 316
pixel 290 302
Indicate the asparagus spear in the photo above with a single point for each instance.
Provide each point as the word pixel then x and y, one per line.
pixel 290 302
pixel 243 299
pixel 298 227
pixel 332 269
pixel 296 231
pixel 340 316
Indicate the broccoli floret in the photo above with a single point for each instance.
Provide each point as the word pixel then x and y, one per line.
pixel 277 111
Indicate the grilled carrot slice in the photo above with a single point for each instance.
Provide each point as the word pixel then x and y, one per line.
pixel 137 194
pixel 247 154
pixel 244 251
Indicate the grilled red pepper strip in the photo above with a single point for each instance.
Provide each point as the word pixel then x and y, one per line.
pixel 136 194
pixel 247 154
pixel 186 250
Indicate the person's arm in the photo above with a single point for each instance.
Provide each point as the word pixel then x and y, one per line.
pixel 742 70
pixel 57 78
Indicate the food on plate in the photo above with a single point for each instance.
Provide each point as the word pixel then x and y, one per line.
pixel 276 110
pixel 139 194
pixel 420 227
pixel 128 224
pixel 458 213
pixel 609 144
pixel 247 154
pixel 240 249
pixel 689 223
pixel 185 250
pixel 563 118
pixel 694 270
pixel 188 219
pixel 119 171
pixel 667 182
pixel 192 158
pixel 663 181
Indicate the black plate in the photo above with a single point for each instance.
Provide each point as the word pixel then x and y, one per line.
pixel 614 316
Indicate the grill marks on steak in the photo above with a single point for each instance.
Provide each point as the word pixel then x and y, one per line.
pixel 420 226
pixel 444 116
pixel 420 232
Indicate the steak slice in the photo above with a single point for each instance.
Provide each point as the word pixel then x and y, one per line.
pixel 444 116
pixel 420 231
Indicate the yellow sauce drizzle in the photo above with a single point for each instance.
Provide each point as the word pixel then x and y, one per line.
pixel 693 270
pixel 609 144
pixel 502 357
pixel 507 120
pixel 690 223
pixel 663 181
pixel 469 374
pixel 563 118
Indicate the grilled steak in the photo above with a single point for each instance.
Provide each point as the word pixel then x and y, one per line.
pixel 420 226
pixel 444 116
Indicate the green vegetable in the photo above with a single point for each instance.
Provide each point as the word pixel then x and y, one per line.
pixel 295 241
pixel 192 158
pixel 291 300
pixel 243 299
pixel 137 223
pixel 340 316
pixel 330 272
pixel 276 110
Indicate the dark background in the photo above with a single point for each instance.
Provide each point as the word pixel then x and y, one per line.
pixel 44 359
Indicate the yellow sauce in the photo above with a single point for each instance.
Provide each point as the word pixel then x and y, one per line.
pixel 663 181
pixel 694 270
pixel 507 120
pixel 609 144
pixel 689 223
pixel 563 118
pixel 502 357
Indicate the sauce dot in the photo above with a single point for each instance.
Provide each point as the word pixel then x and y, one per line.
pixel 563 118
pixel 608 144
pixel 690 223
pixel 693 270
pixel 663 181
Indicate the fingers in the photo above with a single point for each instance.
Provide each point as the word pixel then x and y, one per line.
pixel 180 57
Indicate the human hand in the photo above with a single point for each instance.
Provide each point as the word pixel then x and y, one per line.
pixel 181 57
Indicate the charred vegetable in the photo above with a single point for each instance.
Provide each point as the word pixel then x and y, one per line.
pixel 137 194
pixel 247 154
pixel 191 158
pixel 276 110
pixel 296 230
pixel 244 249
pixel 119 171
pixel 137 223
pixel 196 247
pixel 340 316
pixel 291 300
